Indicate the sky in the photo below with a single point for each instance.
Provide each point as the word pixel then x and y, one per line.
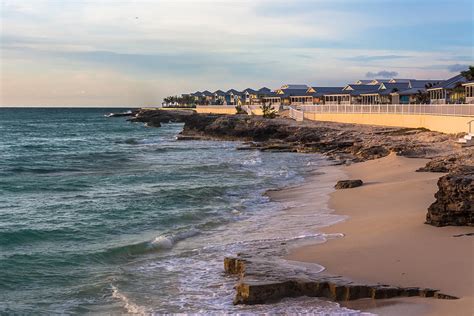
pixel 134 53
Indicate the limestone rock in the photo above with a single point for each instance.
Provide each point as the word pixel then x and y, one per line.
pixel 348 184
pixel 265 282
pixel 454 205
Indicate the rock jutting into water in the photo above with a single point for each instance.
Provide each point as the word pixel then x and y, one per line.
pixel 262 282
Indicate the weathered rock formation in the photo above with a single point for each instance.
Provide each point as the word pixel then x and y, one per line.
pixel 154 118
pixel 343 142
pixel 262 282
pixel 348 184
pixel 455 200
pixel 447 163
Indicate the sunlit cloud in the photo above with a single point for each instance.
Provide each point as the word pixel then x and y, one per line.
pixel 109 52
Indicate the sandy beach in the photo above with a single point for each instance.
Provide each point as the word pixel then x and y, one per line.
pixel 386 241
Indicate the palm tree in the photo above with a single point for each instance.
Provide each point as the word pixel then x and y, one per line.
pixel 422 97
pixel 468 74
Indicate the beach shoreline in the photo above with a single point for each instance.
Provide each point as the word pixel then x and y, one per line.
pixel 385 239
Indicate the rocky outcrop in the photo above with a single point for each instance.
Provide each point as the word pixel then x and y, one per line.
pixel 340 141
pixel 450 162
pixel 154 118
pixel 454 204
pixel 343 143
pixel 263 282
pixel 348 184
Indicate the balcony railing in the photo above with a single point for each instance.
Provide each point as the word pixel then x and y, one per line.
pixel 404 109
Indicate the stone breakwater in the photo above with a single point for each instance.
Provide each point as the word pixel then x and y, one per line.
pixel 261 282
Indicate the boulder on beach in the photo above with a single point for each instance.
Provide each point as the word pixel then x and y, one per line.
pixel 348 184
pixel 454 205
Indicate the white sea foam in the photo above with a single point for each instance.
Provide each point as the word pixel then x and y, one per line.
pixel 128 305
pixel 168 241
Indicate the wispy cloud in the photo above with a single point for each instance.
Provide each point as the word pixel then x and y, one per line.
pixel 368 58
pixel 382 74
pixel 174 46
pixel 457 67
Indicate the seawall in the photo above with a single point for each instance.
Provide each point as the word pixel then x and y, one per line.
pixel 439 123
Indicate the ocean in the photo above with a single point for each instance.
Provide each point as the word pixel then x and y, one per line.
pixel 100 215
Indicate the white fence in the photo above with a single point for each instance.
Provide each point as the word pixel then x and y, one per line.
pixel 405 109
pixel 296 114
pixel 247 109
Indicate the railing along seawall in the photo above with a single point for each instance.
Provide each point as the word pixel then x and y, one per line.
pixel 297 115
pixel 403 109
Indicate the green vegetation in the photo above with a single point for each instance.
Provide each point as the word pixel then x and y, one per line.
pixel 185 101
pixel 422 97
pixel 239 110
pixel 469 74
pixel 268 111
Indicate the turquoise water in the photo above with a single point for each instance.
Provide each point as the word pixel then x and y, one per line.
pixel 102 215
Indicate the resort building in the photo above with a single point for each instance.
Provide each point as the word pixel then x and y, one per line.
pixel 196 96
pixel 374 91
pixel 272 98
pixel 249 96
pixel 383 95
pixel 469 91
pixel 416 93
pixel 350 94
pixel 219 97
pixel 207 97
pixel 233 97
pixel 294 94
pixel 448 91
pixel 261 94
pixel 320 92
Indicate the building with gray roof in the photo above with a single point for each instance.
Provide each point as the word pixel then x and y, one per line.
pixel 448 91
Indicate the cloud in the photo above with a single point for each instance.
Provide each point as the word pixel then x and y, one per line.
pixel 457 67
pixel 174 46
pixel 366 58
pixel 382 74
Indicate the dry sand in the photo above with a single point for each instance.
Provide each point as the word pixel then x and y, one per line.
pixel 386 240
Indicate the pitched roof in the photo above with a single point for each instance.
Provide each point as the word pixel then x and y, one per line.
pixel 423 83
pixel 359 87
pixel 395 86
pixel 379 81
pixel 197 94
pixel 398 80
pixel 219 93
pixel 234 92
pixel 450 83
pixel 264 89
pixel 363 81
pixel 272 94
pixel 250 91
pixel 207 93
pixel 320 91
pixel 295 92
pixel 294 86
pixel 412 91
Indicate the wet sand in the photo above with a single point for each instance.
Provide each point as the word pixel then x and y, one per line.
pixel 386 241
